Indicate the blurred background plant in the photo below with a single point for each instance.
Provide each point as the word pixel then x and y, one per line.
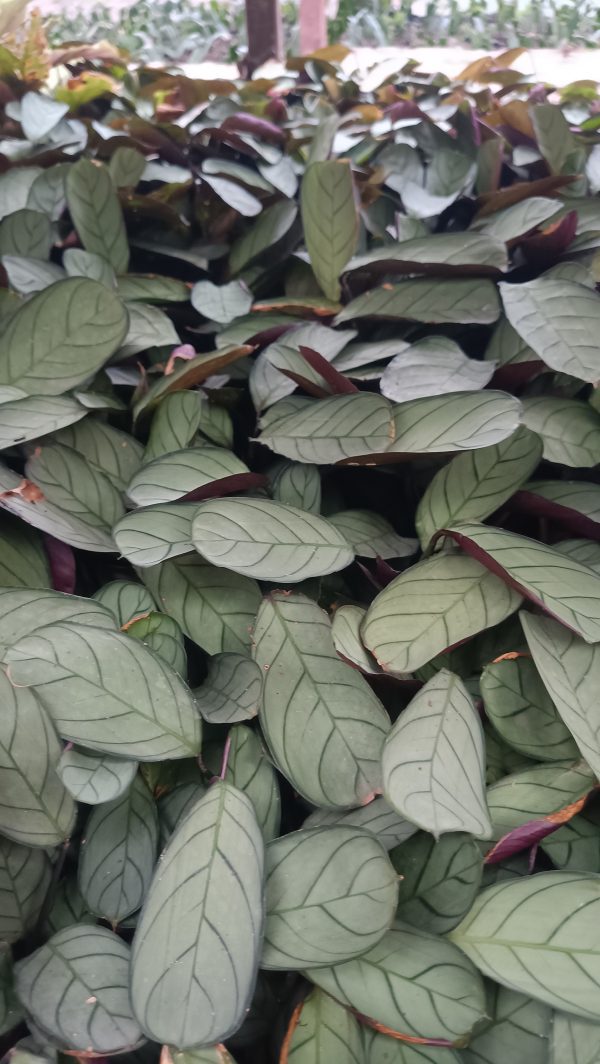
pixel 181 29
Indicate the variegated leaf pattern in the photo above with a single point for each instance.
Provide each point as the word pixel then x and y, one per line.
pixel 575 502
pixel 213 866
pixel 250 770
pixel 168 477
pixel 573 1040
pixel 377 817
pixel 458 422
pixel 297 484
pixel 438 880
pixel 25 875
pixel 371 535
pixel 94 778
pixel 126 600
pixel 536 791
pixel 444 249
pixel 107 450
pixel 24 610
pixel 331 894
pixel 174 424
pixel 433 761
pixel 433 366
pixel 35 808
pixel 75 965
pixel 381 1049
pixel 391 984
pixel 294 647
pixel 569 429
pixel 321 1029
pixel 108 692
pixel 431 606
pixel 523 712
pixel 533 935
pixel 96 212
pixel 23 560
pixel 517 1024
pixel 330 220
pixel 37 415
pixel 68 483
pixel 118 853
pixel 154 534
pixel 332 430
pixel 175 805
pixel 473 301
pixel 576 845
pixel 345 629
pixel 232 690
pixel 163 635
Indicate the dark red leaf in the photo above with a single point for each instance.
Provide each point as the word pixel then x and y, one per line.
pixel 242 122
pixel 62 564
pixel 577 522
pixel 338 384
pixel 531 833
pixel 226 486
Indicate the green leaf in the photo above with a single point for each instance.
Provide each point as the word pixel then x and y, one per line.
pixel 170 476
pixel 214 1055
pixel 520 218
pixel 296 484
pixel 35 809
pixel 47 191
pixel 34 416
pixel 222 303
pixel 533 935
pixel 475 484
pixel 25 876
pixel 96 213
pixel 429 607
pixel 125 600
pixel 126 167
pixel 294 647
pixel 191 372
pixel 345 629
pixel 212 868
pixel 175 805
pixel 29 275
pixel 433 366
pixel 392 984
pixel 85 322
pixel 108 692
pixel 250 770
pixel 448 250
pixel 11 1012
pixel 433 302
pixel 163 635
pixel 148 327
pixel 151 535
pixel 331 430
pixel 438 880
pixel 231 691
pixel 434 759
pixel 536 792
pixel 94 778
pixel 575 502
pixel 458 422
pixel 563 587
pixel 576 845
pixel 522 711
pixel 148 288
pixel 23 560
pixel 506 347
pixel 330 220
pixel 331 895
pixel 27 233
pixel 270 227
pixel 15 187
pixel 23 611
pixel 236 197
pixel 569 428
pixel 573 1041
pixel 268 383
pixel 87 495
pixel 267 540
pixel 570 670
pixel 559 320
pixel 322 1030
pixel 382 1049
pixel 80 263
pixel 108 450
pixel 371 535
pixel 517 1027
pixel 554 137
pixel 174 424
pixel 56 982
pixel 118 853
pixel 377 817
pixel 213 607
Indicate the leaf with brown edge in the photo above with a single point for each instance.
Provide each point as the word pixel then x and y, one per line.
pixel 531 833
pixel 192 372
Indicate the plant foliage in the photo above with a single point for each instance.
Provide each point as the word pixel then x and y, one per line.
pixel 299 565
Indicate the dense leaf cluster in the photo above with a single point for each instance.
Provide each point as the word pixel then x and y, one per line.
pixel 299 567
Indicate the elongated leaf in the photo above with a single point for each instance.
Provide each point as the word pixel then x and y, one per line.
pixel 523 712
pixel 569 428
pixel 35 808
pixel 23 611
pixel 28 275
pixel 573 1040
pixel 25 876
pixel 570 671
pixel 563 587
pixel 69 484
pixel 371 535
pixel 190 373
pixel 345 629
pixel 381 1049
pixel 331 430
pixel 26 232
pixel 250 770
pixel 267 381
pixel 520 218
pixel 431 606
pixel 164 636
pixel 296 484
pixel 172 475
pixel 174 424
pixel 152 534
pixel 80 263
pixel 453 251
pixel 574 502
pixel 433 366
pixel 330 220
pixel 429 301
pixel 125 600
pixel 377 817
pixel 294 647
pixel 106 449
pixel 331 894
pixel 433 761
pixel 93 778
pixel 126 167
pixel 270 227
pixel 148 288
pixel 47 192
pixel 234 195
pixel 222 303
pixel 438 880
pixel 392 985
pixel 56 982
pixel 322 1030
pixel 108 692
pixel 61 336
pixel 267 540
pixel 559 320
pixel 118 853
pixel 458 422
pixel 517 1025
pixel 23 561
pixel 232 690
pixel 532 794
pixel 96 213
pixel 532 935
pixel 476 483
pixel 187 918
pixel 214 607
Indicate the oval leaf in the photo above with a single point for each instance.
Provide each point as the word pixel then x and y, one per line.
pixel 92 778
pixel 232 690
